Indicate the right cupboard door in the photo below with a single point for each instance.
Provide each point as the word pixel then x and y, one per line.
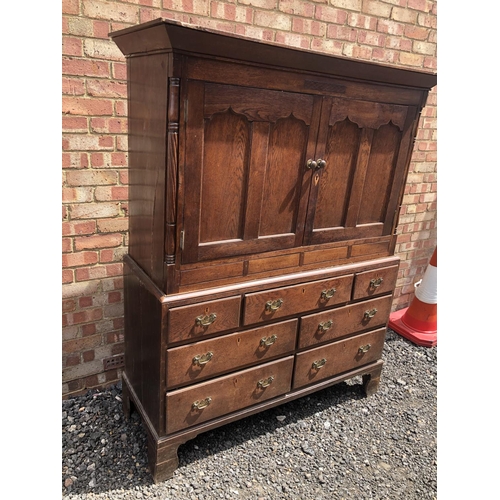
pixel 365 147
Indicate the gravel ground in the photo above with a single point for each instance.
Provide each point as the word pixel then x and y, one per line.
pixel 334 444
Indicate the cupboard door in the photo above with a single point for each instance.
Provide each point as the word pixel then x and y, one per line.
pixel 246 184
pixel 365 146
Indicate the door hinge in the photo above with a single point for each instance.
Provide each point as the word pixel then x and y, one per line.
pixel 181 241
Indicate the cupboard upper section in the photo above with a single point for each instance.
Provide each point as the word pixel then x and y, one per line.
pixel 247 157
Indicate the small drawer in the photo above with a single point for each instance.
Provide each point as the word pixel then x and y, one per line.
pixel 332 359
pixel 207 400
pixel 198 361
pixel 205 318
pixel 337 323
pixel 376 282
pixel 281 302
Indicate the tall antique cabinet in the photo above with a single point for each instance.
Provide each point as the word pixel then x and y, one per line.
pixel 265 186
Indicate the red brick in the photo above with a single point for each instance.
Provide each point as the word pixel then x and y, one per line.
pixel 422 5
pixel 90 177
pixel 112 225
pixel 106 88
pixel 74 124
pixel 72 46
pixel 85 302
pixel 98 241
pixel 88 356
pixel 67 276
pixel 76 228
pixel 416 32
pixel 119 71
pixel 110 11
pixel 342 33
pixel 96 210
pixel 67 245
pixel 77 345
pixel 309 27
pixel 330 15
pixel 101 29
pixel 89 329
pixel 293 40
pixel 297 8
pixel 85 67
pixel 84 106
pixel 68 305
pixel 114 297
pixel 73 86
pixel 72 360
pixel 79 259
pixel 70 6
pixel 75 160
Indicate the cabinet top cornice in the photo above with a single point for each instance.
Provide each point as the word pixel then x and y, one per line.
pixel 174 36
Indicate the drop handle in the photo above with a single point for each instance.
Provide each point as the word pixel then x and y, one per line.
pixel 263 383
pixel 202 403
pixel 267 341
pixel 369 314
pixel 319 364
pixel 376 282
pixel 205 320
pixel 325 325
pixel 203 359
pixel 274 305
pixel 328 294
pixel 364 348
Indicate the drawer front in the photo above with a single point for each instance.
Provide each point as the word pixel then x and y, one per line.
pixel 207 400
pixel 322 362
pixel 376 282
pixel 198 320
pixel 207 358
pixel 343 321
pixel 281 302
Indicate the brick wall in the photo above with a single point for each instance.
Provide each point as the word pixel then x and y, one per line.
pixel 94 198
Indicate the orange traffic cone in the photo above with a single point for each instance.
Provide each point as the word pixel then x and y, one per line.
pixel 418 322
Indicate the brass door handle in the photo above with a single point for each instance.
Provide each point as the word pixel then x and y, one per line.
pixel 263 383
pixel 267 341
pixel 202 403
pixel 274 305
pixel 205 320
pixel 316 164
pixel 203 359
pixel 319 364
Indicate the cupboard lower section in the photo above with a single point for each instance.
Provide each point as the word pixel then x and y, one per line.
pixel 194 362
pixel 162 450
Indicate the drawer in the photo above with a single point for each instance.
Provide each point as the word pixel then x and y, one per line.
pixel 207 400
pixel 343 321
pixel 338 357
pixel 281 302
pixel 205 318
pixel 376 282
pixel 194 362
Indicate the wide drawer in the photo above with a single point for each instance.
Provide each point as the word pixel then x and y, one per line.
pixel 336 323
pixel 198 361
pixel 207 400
pixel 286 301
pixel 343 355
pixel 205 318
pixel 376 282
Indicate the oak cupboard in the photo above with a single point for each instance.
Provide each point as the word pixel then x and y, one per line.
pixel 265 186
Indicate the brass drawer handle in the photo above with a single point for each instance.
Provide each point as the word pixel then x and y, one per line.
pixel 319 364
pixel 263 383
pixel 205 320
pixel 203 359
pixel 376 282
pixel 370 314
pixel 203 403
pixel 328 294
pixel 325 325
pixel 267 341
pixel 321 163
pixel 274 305
pixel 364 348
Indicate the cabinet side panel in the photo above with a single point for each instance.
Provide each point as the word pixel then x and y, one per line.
pixel 147 110
pixel 143 327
